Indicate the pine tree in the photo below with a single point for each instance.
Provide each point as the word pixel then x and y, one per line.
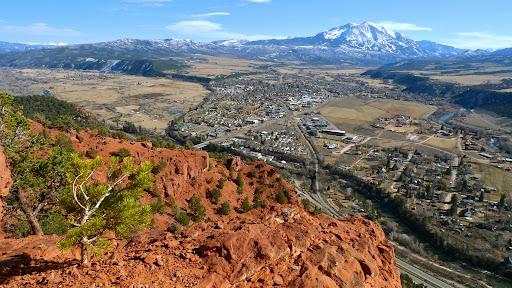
pixel 246 205
pixel 38 179
pixel 224 208
pixel 94 206
pixel 281 197
pixel 197 208
pixel 214 195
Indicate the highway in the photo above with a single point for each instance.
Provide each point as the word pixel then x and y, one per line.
pixel 420 276
pixel 318 198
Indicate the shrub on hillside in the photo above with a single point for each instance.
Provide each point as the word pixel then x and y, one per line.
pixel 281 197
pixel 122 153
pixel 214 195
pixel 198 210
pixel 224 209
pixel 246 205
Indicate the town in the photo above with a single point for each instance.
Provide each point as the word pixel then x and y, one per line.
pixel 452 178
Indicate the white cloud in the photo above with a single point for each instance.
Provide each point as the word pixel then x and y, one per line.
pixel 194 27
pixel 211 14
pixel 402 26
pixel 50 43
pixel 38 29
pixel 480 40
pixel 148 2
pixel 208 30
pixel 260 1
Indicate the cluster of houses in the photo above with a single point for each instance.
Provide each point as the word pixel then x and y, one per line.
pixel 397 121
pixel 304 102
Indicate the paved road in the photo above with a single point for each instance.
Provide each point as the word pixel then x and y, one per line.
pixel 420 276
pixel 320 200
pixel 318 195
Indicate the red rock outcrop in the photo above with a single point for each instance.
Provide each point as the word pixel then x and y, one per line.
pixel 277 245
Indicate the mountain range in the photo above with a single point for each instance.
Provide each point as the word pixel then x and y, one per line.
pixel 364 44
pixel 14 47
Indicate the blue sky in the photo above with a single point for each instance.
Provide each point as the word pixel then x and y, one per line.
pixel 462 23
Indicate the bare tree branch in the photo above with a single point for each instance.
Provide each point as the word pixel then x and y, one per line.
pixel 74 192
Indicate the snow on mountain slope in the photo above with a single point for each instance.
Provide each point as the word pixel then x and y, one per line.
pixel 360 44
pixel 6 47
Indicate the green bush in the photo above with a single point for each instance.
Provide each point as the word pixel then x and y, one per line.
pixel 158 207
pixel 307 204
pixel 130 128
pixel 199 212
pixel 22 229
pixel 183 219
pixel 159 143
pixel 63 141
pixel 103 131
pixel 224 208
pixel 214 195
pixel 240 180
pixel 246 206
pixel 221 183
pixel 281 197
pixel 120 135
pixel 122 153
pixel 407 282
pixel 257 203
pixel 189 145
pixel 54 223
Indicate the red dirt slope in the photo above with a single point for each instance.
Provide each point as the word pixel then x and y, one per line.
pixel 278 245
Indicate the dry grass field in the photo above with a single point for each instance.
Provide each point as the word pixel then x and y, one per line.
pixel 484 120
pixel 469 80
pixel 446 144
pixel 466 75
pixel 495 177
pixel 353 113
pixel 148 102
pixel 211 66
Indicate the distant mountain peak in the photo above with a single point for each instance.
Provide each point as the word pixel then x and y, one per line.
pixel 365 43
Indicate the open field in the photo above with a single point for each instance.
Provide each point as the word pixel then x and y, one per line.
pixel 352 114
pixel 446 144
pixel 495 177
pixel 473 75
pixel 148 102
pixel 211 66
pixel 483 120
pixel 473 79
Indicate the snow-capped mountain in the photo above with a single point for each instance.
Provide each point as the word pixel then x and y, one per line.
pixel 356 44
pixel 6 47
pixel 367 37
